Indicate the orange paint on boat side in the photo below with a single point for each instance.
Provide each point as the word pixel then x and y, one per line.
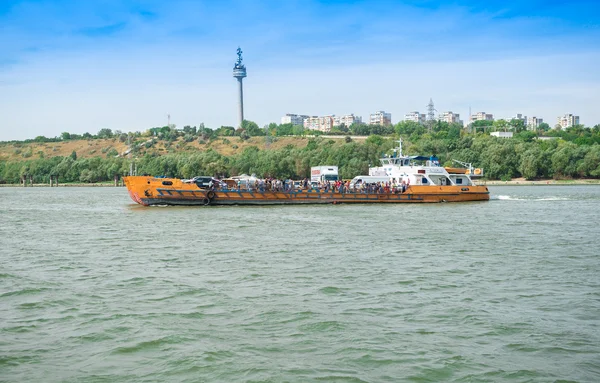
pixel 147 190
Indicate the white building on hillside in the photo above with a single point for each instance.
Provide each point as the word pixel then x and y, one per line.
pixel 481 116
pixel 450 118
pixel 347 120
pixel 519 116
pixel 415 117
pixel 294 119
pixel 323 124
pixel 380 118
pixel 567 121
pixel 533 123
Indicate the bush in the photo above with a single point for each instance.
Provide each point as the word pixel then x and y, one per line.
pixel 112 153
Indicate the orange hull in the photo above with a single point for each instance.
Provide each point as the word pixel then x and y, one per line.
pixel 147 190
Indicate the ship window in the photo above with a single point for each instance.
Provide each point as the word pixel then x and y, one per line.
pixel 168 183
pixel 459 181
pixel 424 180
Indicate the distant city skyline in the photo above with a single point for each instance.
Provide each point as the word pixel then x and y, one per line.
pixel 326 123
pixel 124 65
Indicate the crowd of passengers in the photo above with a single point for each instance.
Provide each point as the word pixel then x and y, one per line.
pixel 272 184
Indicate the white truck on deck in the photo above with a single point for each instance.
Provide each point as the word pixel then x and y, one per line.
pixel 324 174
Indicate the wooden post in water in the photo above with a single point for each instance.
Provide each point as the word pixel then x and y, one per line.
pixel 31 180
pixel 116 179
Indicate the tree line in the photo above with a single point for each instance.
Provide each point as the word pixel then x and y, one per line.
pixel 573 153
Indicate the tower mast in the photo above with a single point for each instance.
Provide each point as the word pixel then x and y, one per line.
pixel 239 72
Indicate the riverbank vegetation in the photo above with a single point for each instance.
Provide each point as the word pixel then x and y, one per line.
pixel 286 151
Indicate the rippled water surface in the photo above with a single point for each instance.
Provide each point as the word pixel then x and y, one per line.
pixel 94 288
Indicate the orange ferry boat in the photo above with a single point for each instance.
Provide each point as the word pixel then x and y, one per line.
pixel 427 182
pixel 167 191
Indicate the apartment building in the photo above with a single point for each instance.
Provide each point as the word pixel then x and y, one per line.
pixel 415 117
pixel 481 116
pixel 324 124
pixel 380 118
pixel 533 123
pixel 347 120
pixel 521 117
pixel 567 121
pixel 294 119
pixel 450 118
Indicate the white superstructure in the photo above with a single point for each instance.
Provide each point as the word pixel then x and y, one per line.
pixel 419 170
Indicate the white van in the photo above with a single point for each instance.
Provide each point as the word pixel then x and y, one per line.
pixel 360 180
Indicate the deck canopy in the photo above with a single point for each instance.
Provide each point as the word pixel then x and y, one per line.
pixel 419 158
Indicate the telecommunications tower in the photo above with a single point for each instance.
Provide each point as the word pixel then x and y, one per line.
pixel 239 72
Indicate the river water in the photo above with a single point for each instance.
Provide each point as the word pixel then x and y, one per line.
pixel 94 288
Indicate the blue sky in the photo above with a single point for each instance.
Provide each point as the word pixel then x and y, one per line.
pixel 82 66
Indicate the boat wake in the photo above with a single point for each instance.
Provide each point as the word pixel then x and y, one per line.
pixel 512 198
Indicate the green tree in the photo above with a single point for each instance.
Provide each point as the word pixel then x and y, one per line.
pixel 530 165
pixel 590 166
pixel 543 127
pixel 481 126
pixel 227 131
pixel 517 125
pixel 501 125
pixel 105 133
pixel 252 128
